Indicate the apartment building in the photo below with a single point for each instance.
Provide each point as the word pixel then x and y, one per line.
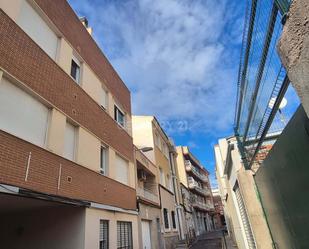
pixel 67 175
pixel 147 132
pixel 244 215
pixel 196 189
pixel 219 220
pixel 148 201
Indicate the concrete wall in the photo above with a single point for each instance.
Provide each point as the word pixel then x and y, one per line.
pixel 48 228
pixel 293 48
pixel 168 202
pixel 181 167
pixel 92 227
pixel 150 214
pixel 143 135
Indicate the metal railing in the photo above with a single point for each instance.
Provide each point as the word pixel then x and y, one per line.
pixel 190 167
pixel 194 185
pixel 261 77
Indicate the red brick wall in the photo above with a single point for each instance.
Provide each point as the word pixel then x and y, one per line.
pixel 44 172
pixel 64 18
pixel 26 61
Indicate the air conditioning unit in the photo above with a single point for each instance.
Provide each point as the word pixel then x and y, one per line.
pixel 142 176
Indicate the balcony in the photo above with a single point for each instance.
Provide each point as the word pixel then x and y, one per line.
pixel 147 195
pixel 193 185
pixel 191 168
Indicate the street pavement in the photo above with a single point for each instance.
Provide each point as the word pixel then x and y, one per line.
pixel 210 240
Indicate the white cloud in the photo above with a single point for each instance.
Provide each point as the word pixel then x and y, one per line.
pixel 174 55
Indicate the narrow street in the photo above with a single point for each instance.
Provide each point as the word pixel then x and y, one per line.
pixel 211 240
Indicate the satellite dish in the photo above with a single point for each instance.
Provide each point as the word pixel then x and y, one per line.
pixel 282 104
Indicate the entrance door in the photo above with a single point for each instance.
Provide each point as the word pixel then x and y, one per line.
pixel 146 234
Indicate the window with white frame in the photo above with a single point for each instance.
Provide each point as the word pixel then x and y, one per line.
pixel 165 218
pixel 119 116
pixel 104 98
pixel 122 170
pixel 69 141
pixel 75 69
pixel 21 114
pixel 124 235
pixel 162 177
pixel 104 234
pixel 38 29
pixel 103 159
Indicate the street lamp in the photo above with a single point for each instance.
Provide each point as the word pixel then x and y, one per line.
pixel 144 149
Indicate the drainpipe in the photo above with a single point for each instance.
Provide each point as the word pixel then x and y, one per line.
pixel 171 155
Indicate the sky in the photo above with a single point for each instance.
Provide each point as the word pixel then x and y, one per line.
pixel 179 58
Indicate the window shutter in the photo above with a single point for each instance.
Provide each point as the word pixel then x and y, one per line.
pixel 34 25
pixel 122 170
pixel 21 114
pixel 244 218
pixel 69 141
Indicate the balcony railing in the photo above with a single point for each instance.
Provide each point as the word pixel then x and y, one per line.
pixel 147 194
pixel 194 185
pixel 201 205
pixel 190 167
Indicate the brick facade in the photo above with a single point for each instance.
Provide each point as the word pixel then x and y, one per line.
pixel 26 61
pixel 43 175
pixel 64 18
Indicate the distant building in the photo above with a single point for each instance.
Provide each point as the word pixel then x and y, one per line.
pixel 196 191
pixel 243 211
pixel 147 132
pixel 218 217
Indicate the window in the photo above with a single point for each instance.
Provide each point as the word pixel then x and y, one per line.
pixel 165 217
pixel 122 170
pixel 119 116
pixel 170 183
pixel 34 26
pixel 165 150
pixel 103 160
pixel 157 140
pixel 21 114
pixel 75 69
pixel 104 98
pixel 124 235
pixel 69 141
pixel 173 219
pixel 162 177
pixel 104 233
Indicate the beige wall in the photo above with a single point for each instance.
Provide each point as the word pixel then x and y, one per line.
pixel 64 56
pixel 142 134
pixel 11 8
pixel 92 227
pixel 181 167
pixel 91 84
pixel 150 214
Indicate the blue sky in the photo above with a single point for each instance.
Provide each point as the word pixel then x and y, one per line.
pixel 179 58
